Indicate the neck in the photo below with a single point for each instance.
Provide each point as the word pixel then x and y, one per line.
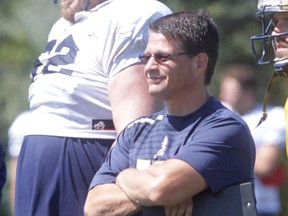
pixel 181 106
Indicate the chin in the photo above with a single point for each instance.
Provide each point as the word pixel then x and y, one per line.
pixel 282 53
pixel 157 93
pixel 68 15
pixel 154 93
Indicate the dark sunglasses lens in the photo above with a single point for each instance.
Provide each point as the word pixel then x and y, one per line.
pixel 144 59
pixel 160 57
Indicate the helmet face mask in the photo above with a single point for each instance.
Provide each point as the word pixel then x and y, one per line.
pixel 263 44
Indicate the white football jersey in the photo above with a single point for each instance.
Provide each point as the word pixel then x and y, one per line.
pixel 69 93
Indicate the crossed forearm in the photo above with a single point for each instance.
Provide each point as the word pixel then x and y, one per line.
pixel 141 187
pixel 109 199
pixel 137 187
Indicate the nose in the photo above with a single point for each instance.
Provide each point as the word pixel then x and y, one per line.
pixel 151 62
pixel 151 66
pixel 277 29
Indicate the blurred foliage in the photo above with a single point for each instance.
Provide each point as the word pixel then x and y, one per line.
pixel 25 24
pixel 24 27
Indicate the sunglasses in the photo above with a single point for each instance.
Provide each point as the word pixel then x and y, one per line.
pixel 160 57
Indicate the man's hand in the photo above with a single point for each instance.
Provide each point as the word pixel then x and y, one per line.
pixel 183 209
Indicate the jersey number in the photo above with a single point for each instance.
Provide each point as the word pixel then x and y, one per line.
pixel 59 58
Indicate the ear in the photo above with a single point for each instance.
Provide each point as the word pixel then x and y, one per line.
pixel 202 61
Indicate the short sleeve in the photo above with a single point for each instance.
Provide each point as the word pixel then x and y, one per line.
pixel 222 151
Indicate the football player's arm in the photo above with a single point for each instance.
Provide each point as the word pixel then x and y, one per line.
pixel 12 174
pixel 129 97
pixel 109 199
pixel 268 154
pixel 167 184
pixel 267 159
pixel 286 117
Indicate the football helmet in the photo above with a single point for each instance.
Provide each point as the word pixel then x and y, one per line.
pixel 263 44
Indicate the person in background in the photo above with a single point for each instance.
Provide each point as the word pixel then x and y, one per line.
pixel 238 90
pixel 86 86
pixel 3 170
pixel 16 134
pixel 195 144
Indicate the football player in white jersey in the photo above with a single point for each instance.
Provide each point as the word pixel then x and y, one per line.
pixel 271 45
pixel 88 74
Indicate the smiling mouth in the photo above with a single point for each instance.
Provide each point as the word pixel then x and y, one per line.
pixel 282 46
pixel 153 76
pixel 281 43
pixel 155 80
